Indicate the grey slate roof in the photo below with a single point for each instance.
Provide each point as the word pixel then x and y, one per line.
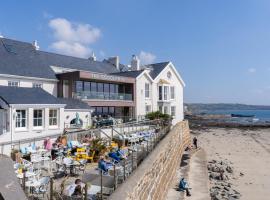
pixel 132 74
pixel 20 95
pixel 10 188
pixel 21 58
pixel 74 104
pixel 156 68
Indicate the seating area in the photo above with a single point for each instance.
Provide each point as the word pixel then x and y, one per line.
pixel 88 158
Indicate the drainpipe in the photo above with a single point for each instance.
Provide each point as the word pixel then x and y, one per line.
pixel 11 127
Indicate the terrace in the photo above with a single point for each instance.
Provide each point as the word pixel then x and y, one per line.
pixel 101 158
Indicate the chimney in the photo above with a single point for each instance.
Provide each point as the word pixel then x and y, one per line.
pixel 115 61
pixel 92 57
pixel 35 44
pixel 135 63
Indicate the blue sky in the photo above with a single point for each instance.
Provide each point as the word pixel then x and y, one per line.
pixel 221 48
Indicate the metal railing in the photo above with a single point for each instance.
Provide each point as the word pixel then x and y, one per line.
pixel 103 95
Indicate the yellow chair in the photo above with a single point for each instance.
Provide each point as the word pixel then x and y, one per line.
pixel 91 158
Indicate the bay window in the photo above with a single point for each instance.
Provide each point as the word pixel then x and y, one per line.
pixel 173 111
pixel 159 92
pixel 166 91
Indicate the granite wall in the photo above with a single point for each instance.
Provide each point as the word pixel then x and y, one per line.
pixel 152 178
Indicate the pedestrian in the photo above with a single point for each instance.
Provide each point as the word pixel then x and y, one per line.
pixel 195 142
pixel 183 186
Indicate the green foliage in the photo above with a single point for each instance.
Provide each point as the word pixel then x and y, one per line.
pixel 158 115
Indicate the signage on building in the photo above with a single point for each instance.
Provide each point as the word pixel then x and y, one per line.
pixel 108 77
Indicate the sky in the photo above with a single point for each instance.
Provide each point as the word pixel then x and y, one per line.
pixel 221 48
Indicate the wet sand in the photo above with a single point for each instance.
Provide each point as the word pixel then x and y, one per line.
pixel 249 154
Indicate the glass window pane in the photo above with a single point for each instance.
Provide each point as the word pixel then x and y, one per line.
pixel 160 92
pixel 93 86
pixel 100 87
pixel 86 86
pixel 79 86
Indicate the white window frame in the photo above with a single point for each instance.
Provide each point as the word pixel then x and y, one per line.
pixel 160 108
pixel 147 90
pixel 19 119
pixel 165 94
pixel 173 111
pixel 54 117
pixel 37 85
pixel 14 83
pixel 160 86
pixel 38 118
pixel 172 94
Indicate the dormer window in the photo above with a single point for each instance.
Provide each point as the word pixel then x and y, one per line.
pixel 13 83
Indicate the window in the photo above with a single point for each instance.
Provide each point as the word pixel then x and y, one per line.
pixel 53 117
pixel 65 88
pixel 160 93
pixel 173 111
pixel 38 118
pixel 13 83
pixel 86 86
pixel 166 110
pixel 166 89
pixel 147 90
pixel 79 86
pixel 172 92
pixel 147 109
pixel 160 108
pixel 37 85
pixel 93 86
pixel 20 118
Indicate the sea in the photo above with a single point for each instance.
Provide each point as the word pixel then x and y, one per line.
pixel 260 116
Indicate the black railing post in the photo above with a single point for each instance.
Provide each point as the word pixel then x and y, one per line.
pixel 51 188
pixel 114 177
pixel 124 169
pixel 85 191
pixel 23 181
pixel 132 154
pixel 101 183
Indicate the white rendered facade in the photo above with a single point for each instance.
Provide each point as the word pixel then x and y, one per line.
pixel 170 103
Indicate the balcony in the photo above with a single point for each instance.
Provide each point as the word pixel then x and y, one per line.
pixel 103 96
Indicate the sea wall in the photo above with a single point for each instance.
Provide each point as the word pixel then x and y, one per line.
pixel 152 178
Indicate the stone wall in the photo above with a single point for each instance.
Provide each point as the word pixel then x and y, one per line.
pixel 152 178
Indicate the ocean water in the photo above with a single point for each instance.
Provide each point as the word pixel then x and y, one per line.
pixel 260 115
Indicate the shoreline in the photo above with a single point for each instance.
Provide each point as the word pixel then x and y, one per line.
pixel 246 151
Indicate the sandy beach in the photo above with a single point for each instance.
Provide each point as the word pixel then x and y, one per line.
pixel 247 152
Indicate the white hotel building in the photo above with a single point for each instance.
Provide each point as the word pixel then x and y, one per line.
pixel 41 93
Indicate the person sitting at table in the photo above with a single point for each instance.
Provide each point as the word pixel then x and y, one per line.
pixel 114 155
pixel 75 188
pixel 103 164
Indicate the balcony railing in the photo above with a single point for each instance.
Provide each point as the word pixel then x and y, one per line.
pixel 103 96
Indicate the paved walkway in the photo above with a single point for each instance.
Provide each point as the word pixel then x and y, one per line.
pixel 198 177
pixel 195 171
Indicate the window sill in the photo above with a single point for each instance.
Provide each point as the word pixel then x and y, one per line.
pixel 53 127
pixel 21 129
pixel 38 128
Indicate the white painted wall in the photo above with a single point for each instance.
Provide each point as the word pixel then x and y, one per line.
pixel 49 86
pixel 141 101
pixel 14 133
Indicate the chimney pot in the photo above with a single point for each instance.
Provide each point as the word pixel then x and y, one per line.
pixel 35 44
pixel 135 63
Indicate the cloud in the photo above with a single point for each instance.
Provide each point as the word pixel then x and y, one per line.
pixel 73 49
pixel 146 57
pixel 252 70
pixel 73 38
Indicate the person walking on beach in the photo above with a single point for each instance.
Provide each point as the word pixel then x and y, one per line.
pixel 195 142
pixel 183 186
